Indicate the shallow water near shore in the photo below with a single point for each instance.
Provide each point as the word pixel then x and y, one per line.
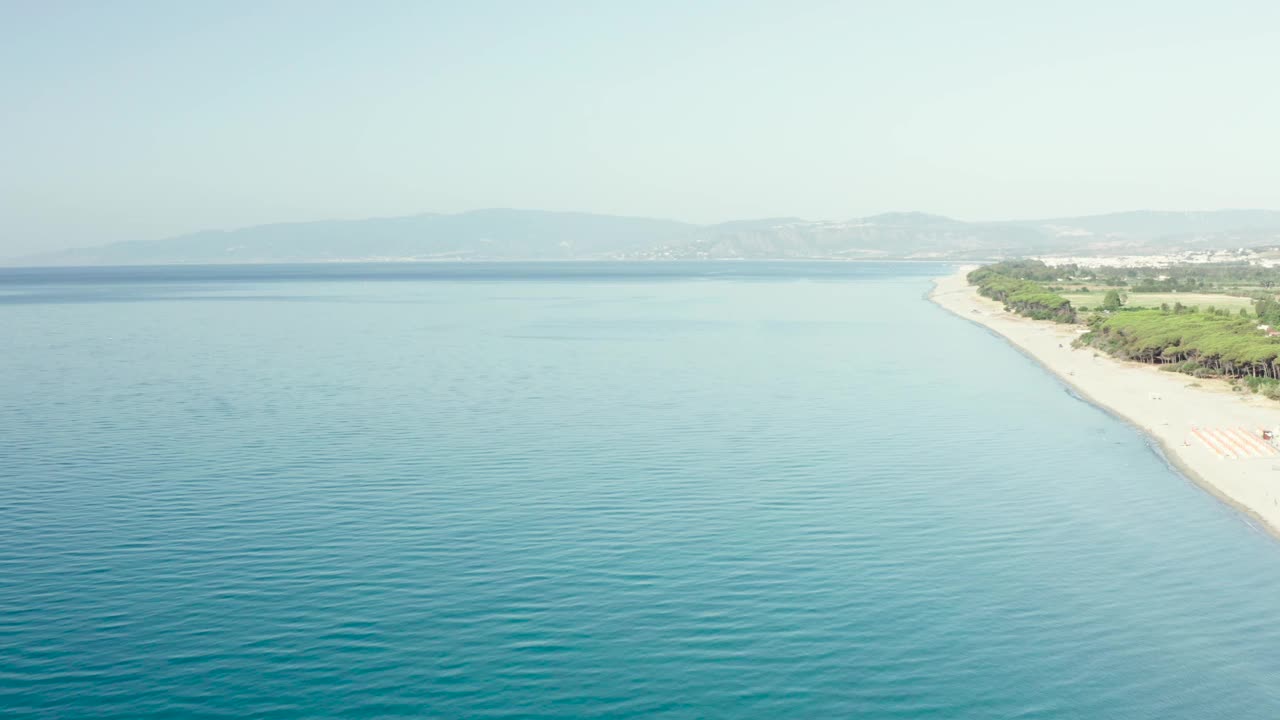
pixel 748 490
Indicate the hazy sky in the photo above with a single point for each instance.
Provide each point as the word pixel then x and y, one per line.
pixel 141 120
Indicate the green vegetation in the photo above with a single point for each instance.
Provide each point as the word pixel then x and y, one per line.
pixel 1235 285
pixel 1011 283
pixel 1267 309
pixel 1112 301
pixel 1201 344
pixel 1184 277
pixel 1178 277
pixel 1269 387
pixel 1179 317
pixel 1166 285
pixel 1154 300
pixel 1236 277
pixel 1033 270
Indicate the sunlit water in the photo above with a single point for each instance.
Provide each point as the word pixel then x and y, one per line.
pixel 689 491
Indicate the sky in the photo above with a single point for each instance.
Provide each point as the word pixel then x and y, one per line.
pixel 142 120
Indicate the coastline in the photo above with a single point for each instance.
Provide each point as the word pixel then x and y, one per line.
pixel 1161 404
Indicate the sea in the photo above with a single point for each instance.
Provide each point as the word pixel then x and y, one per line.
pixel 589 490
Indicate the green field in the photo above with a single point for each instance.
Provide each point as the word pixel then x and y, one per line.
pixel 1093 299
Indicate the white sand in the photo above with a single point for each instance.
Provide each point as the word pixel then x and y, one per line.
pixel 1161 403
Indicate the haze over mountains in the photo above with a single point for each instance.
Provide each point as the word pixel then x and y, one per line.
pixel 504 234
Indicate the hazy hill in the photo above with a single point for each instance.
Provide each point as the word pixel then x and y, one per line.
pixel 537 235
pixel 481 234
pixel 1150 224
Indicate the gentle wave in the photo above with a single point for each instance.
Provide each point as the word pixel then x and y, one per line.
pixel 727 496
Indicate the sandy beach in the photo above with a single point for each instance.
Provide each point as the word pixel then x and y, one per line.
pixel 1210 433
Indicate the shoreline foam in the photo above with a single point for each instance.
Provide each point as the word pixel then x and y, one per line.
pixel 1161 404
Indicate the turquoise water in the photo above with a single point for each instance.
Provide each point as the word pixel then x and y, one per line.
pixel 687 491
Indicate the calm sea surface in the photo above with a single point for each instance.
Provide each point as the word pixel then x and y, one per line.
pixel 586 490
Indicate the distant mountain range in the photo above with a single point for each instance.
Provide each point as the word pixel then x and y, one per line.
pixel 503 234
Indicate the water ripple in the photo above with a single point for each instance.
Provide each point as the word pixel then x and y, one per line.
pixel 721 498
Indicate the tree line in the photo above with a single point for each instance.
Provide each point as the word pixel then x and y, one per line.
pixel 1200 344
pixel 1010 283
pixel 1182 338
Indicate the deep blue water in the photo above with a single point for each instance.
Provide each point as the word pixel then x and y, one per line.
pixel 579 490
